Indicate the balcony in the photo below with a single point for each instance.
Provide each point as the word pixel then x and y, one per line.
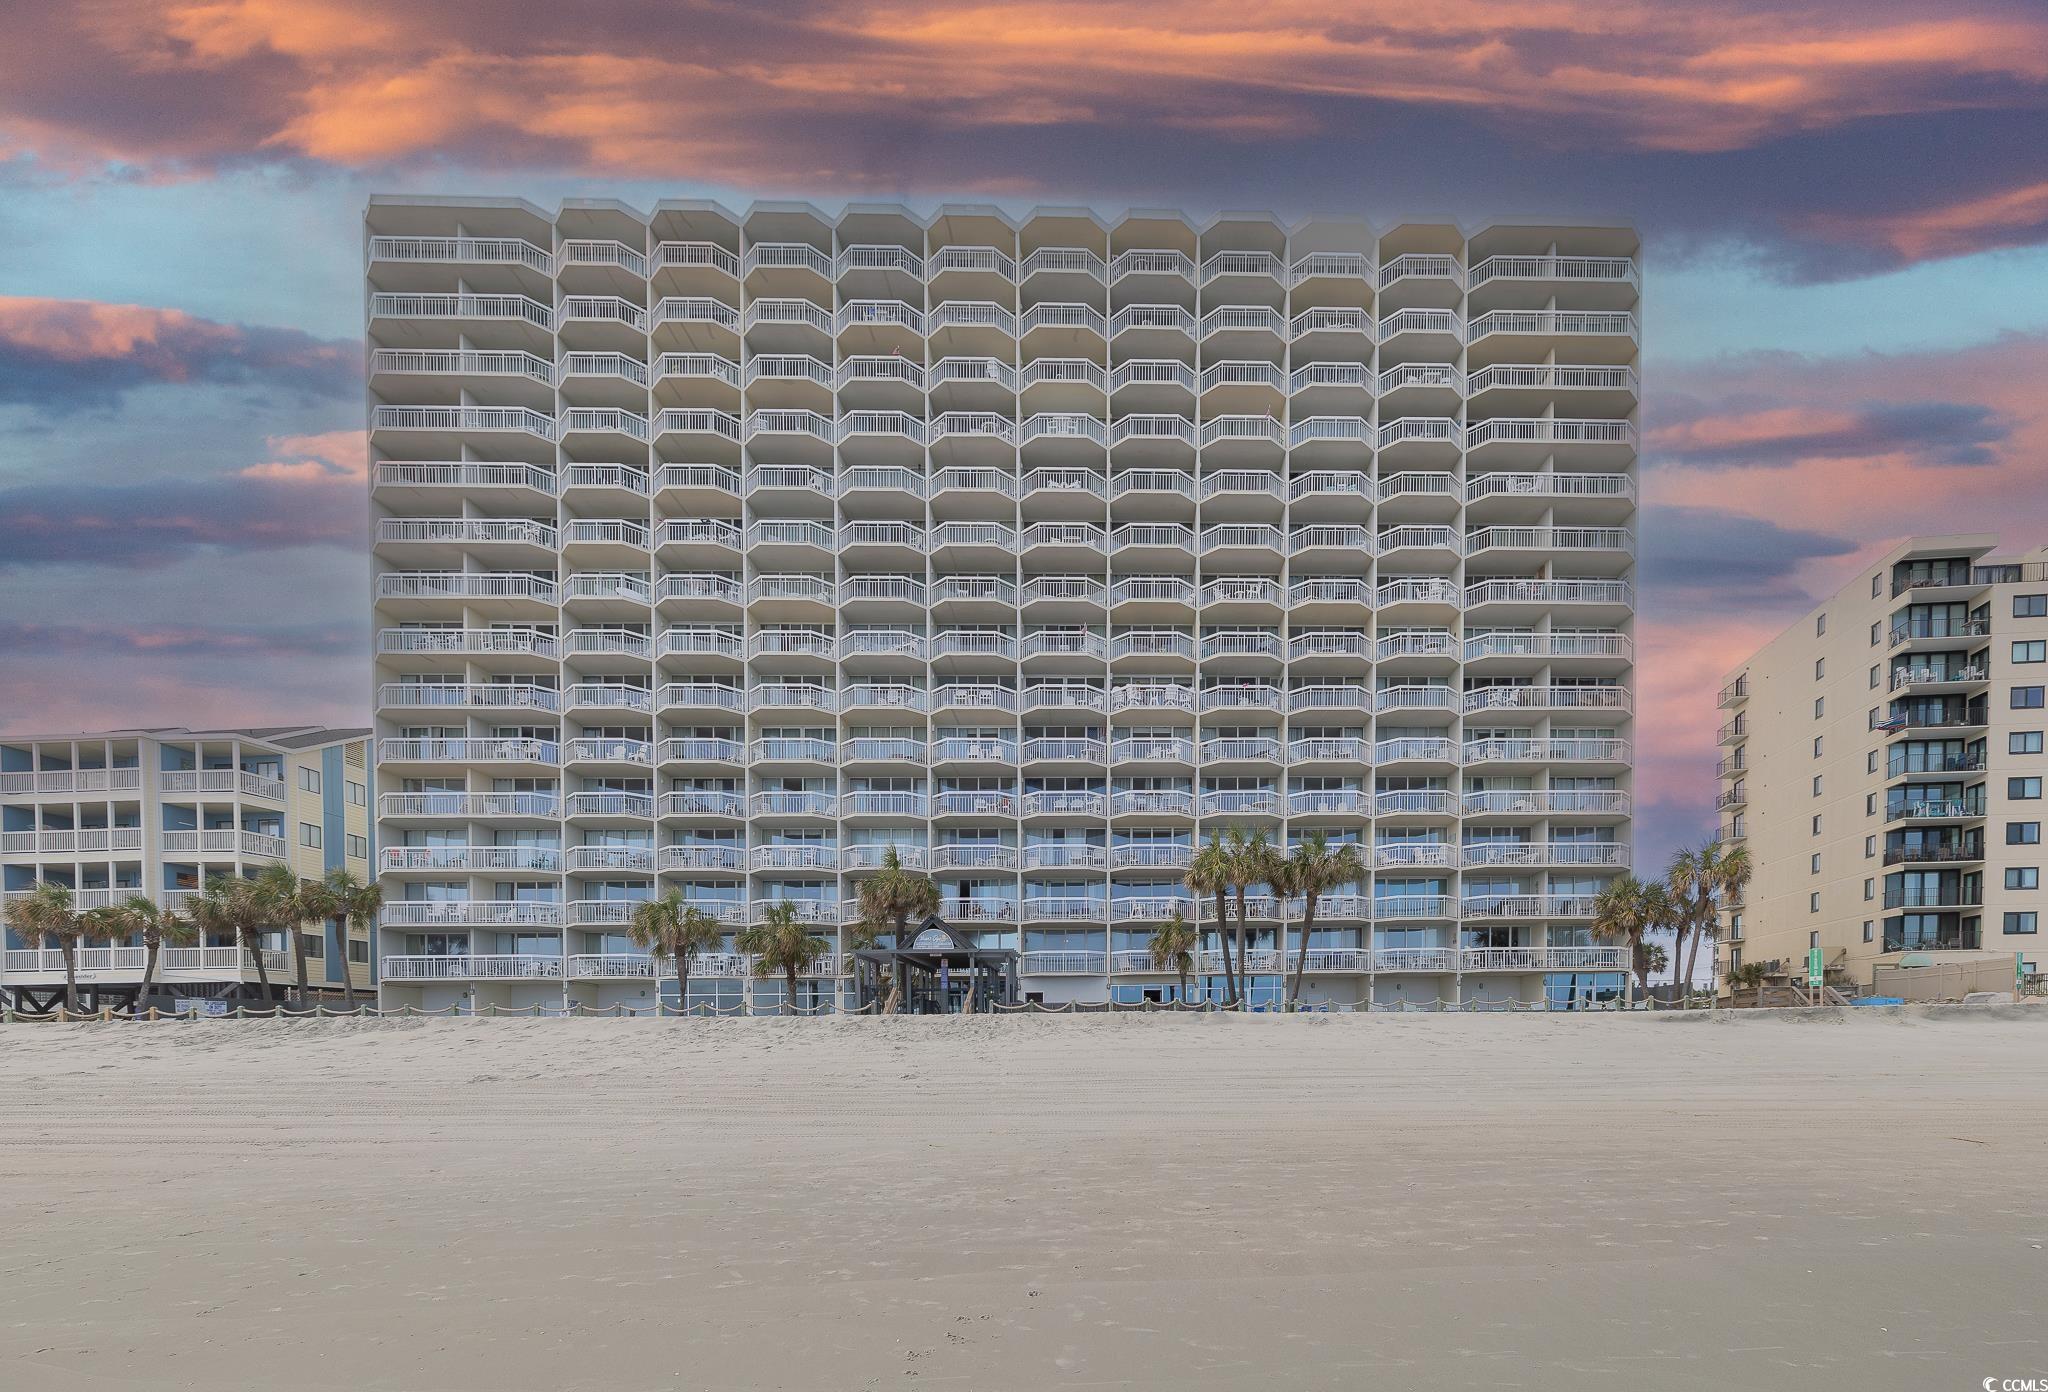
pixel 518 309
pixel 1063 963
pixel 1240 802
pixel 173 963
pixel 1542 802
pixel 1486 906
pixel 222 781
pixel 1477 959
pixel 1957 809
pixel 1951 854
pixel 544 753
pixel 469 806
pixel 1176 803
pixel 464 251
pixel 464 860
pixel 472 968
pixel 1604 855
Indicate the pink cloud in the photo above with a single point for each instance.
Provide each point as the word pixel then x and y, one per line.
pixel 334 456
pixel 60 354
pixel 678 93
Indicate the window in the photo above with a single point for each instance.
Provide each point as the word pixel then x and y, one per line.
pixel 1870 804
pixel 1816 746
pixel 1870 762
pixel 2030 606
pixel 1813 938
pixel 1876 585
pixel 2032 650
pixel 1813 863
pixel 316 945
pixel 1869 889
pixel 2023 877
pixel 309 835
pixel 358 951
pixel 1813 902
pixel 2023 789
pixel 1820 707
pixel 1816 785
pixel 2026 698
pixel 1820 625
pixel 1866 930
pixel 1869 847
pixel 2018 923
pixel 1874 630
pixel 358 794
pixel 1820 668
pixel 2022 833
pixel 2023 742
pixel 1873 676
pixel 358 847
pixel 1815 829
pixel 309 780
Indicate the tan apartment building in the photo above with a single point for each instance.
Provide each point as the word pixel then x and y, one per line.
pixel 163 812
pixel 1882 760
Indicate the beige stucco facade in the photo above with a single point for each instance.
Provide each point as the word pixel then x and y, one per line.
pixel 1881 759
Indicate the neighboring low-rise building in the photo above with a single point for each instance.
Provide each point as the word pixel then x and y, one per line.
pixel 1882 760
pixel 161 812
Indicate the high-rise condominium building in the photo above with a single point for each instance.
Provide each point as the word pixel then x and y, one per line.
pixel 1882 760
pixel 721 552
pixel 162 813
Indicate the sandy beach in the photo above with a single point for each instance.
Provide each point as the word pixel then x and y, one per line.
pixel 1092 1202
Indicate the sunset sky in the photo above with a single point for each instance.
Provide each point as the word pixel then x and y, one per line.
pixel 1844 208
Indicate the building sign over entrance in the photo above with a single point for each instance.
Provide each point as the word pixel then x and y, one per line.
pixel 932 940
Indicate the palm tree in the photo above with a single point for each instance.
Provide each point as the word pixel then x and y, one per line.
pixel 288 903
pixel 893 896
pixel 781 943
pixel 1209 874
pixel 1725 870
pixel 357 905
pixel 140 916
pixel 1252 861
pixel 47 913
pixel 1682 885
pixel 1655 959
pixel 232 906
pixel 1750 976
pixel 1172 946
pixel 1315 868
pixel 1629 910
pixel 1699 878
pixel 311 902
pixel 672 927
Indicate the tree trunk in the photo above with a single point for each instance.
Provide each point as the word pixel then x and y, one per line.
pixel 299 952
pixel 1223 945
pixel 254 945
pixel 682 984
pixel 70 950
pixel 1693 958
pixel 789 997
pixel 1244 949
pixel 1308 923
pixel 1640 960
pixel 1677 954
pixel 1183 982
pixel 148 976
